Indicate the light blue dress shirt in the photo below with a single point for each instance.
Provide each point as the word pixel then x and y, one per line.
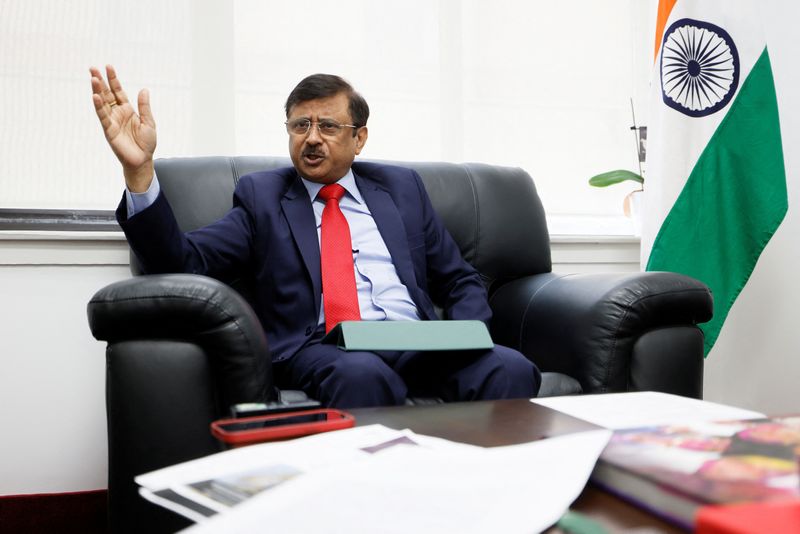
pixel 381 294
pixel 137 202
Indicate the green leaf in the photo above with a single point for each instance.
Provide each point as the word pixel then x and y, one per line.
pixel 614 177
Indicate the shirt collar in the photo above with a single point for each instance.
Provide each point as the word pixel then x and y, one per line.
pixel 348 181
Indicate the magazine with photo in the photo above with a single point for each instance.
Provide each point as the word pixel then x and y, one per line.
pixel 674 470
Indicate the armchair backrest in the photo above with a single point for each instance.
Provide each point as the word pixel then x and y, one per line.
pixel 492 212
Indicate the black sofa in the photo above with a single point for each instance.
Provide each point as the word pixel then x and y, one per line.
pixel 183 348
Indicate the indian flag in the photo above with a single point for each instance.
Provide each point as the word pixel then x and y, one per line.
pixel 715 190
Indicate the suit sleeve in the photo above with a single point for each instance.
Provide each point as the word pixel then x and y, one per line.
pixel 453 284
pixel 219 249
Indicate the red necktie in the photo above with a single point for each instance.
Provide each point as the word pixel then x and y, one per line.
pixel 336 250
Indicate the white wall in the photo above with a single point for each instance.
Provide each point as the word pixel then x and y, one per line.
pixel 508 82
pixel 51 146
pixel 52 400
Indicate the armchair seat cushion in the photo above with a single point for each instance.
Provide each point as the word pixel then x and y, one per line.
pixel 558 384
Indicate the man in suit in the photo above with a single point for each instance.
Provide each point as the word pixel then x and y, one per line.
pixel 325 240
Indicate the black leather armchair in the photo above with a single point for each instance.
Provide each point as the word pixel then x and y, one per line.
pixel 182 348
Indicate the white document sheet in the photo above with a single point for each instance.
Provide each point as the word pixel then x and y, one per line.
pixel 339 446
pixel 642 408
pixel 204 487
pixel 405 488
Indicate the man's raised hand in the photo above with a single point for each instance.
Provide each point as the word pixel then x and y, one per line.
pixel 131 136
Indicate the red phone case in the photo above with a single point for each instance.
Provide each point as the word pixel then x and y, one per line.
pixel 336 420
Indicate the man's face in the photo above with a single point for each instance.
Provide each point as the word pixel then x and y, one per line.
pixel 325 158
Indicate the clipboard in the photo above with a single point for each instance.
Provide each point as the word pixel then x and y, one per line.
pixel 410 335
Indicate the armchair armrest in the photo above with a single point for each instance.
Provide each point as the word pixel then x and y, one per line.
pixel 596 328
pixel 181 350
pixel 193 308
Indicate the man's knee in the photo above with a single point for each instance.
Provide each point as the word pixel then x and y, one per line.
pixel 359 369
pixel 362 379
pixel 521 376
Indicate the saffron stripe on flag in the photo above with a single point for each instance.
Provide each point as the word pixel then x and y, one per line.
pixel 664 9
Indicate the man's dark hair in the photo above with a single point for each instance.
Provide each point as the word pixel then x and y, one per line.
pixel 326 85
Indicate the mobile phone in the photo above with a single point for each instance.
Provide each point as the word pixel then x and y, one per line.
pixel 280 426
pixel 252 409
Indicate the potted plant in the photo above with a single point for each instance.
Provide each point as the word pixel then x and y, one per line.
pixel 630 206
pixel 605 179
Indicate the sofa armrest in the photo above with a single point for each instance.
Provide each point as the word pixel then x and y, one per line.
pixel 196 309
pixel 587 325
pixel 181 350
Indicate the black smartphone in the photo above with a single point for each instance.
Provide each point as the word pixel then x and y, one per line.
pixel 262 422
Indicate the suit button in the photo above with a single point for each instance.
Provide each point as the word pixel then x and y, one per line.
pixel 309 330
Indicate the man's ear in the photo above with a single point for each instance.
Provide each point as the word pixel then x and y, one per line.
pixel 361 138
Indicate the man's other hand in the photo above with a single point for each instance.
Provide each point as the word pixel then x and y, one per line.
pixel 131 136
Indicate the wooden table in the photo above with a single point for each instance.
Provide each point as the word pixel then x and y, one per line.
pixel 508 422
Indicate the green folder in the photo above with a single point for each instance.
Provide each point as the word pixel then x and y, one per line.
pixel 410 335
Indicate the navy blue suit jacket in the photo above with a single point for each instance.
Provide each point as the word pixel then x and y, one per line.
pixel 270 233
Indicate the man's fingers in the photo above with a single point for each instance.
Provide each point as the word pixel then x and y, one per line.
pixel 145 113
pixel 95 72
pixel 101 108
pixel 100 103
pixel 116 86
pixel 100 88
pixel 98 85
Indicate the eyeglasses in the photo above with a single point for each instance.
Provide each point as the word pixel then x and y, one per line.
pixel 326 127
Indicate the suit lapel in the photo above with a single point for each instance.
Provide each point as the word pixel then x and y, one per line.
pixel 390 225
pixel 300 215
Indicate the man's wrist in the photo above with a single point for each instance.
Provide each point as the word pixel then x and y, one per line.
pixel 138 202
pixel 138 180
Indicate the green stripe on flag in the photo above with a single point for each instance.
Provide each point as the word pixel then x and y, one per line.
pixel 733 200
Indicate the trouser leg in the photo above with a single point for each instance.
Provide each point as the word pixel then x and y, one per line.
pixel 498 373
pixel 342 379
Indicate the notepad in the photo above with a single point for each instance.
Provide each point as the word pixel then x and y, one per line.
pixel 410 335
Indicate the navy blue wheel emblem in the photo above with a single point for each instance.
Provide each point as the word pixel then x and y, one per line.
pixel 699 67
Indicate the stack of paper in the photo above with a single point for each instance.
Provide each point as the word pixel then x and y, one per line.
pixel 642 408
pixel 375 479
